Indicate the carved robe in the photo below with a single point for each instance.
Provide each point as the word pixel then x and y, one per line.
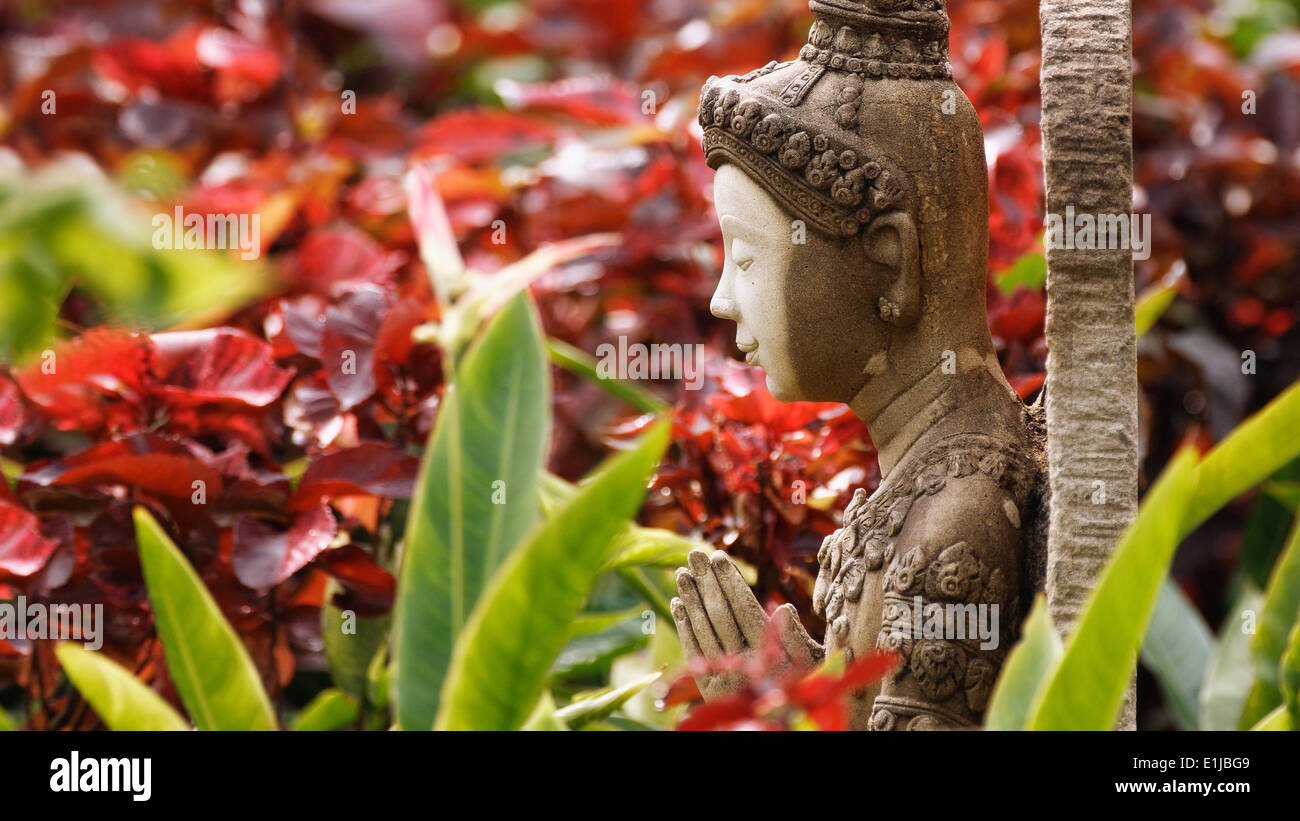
pixel 948 527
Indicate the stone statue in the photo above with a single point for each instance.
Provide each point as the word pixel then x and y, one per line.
pixel 852 194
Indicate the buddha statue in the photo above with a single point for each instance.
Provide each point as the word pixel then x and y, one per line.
pixel 852 194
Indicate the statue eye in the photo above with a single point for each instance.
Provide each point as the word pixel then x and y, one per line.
pixel 745 263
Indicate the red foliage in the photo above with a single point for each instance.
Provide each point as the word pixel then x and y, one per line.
pixel 249 113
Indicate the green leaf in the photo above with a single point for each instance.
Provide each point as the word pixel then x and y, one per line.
pixel 1086 690
pixel 121 700
pixel 350 644
pixel 640 546
pixel 377 678
pixel 1231 673
pixel 1155 300
pixel 331 709
pixel 491 429
pixel 1028 271
pixel 519 625
pixel 543 717
pixel 6 723
pixel 579 362
pixel 1285 492
pixel 210 667
pixel 1177 650
pixel 1279 719
pixel 1277 618
pixel 588 656
pixel 1027 668
pixel 1289 675
pixel 598 705
pixel 1255 450
pixel 588 624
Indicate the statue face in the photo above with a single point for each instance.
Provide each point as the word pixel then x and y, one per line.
pixel 803 311
pixel 756 239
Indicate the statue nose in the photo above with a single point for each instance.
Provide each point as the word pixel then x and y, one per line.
pixel 723 307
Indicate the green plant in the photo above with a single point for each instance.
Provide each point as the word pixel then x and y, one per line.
pixel 1081 685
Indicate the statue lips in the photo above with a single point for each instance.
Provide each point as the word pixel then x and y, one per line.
pixel 750 349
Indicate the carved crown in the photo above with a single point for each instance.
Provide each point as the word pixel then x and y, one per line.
pixel 793 127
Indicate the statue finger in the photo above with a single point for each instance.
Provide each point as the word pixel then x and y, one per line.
pixel 690 647
pixel 715 603
pixel 795 640
pixel 744 605
pixel 695 612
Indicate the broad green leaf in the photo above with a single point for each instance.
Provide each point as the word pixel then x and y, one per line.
pixel 476 497
pixel 1086 690
pixel 121 700
pixel 587 624
pixel 653 546
pixel 378 675
pixel 1177 650
pixel 350 644
pixel 1277 617
pixel 331 709
pixel 598 705
pixel 1289 675
pixel 588 656
pixel 1267 527
pixel 210 667
pixel 1286 492
pixel 1026 669
pixel 1231 674
pixel 1255 450
pixel 518 626
pixel 1279 719
pixel 543 716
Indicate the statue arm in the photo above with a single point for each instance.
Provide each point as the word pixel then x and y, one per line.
pixel 965 565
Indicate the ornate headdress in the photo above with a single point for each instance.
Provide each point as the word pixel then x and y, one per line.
pixel 793 126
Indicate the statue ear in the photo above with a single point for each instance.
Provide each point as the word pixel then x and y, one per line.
pixel 891 241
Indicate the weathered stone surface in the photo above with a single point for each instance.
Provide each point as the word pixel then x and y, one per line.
pixel 853 198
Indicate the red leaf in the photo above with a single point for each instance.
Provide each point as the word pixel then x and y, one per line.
pixel 372 468
pixel 144 461
pixel 481 135
pixel 23 550
pixel 348 344
pixel 74 385
pixel 331 256
pixel 217 365
pixel 714 715
pixel 264 555
pixel 589 100
pixel 369 588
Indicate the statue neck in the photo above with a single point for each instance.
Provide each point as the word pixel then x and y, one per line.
pixel 967 391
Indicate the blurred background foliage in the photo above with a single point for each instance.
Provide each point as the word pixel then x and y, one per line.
pixel 540 122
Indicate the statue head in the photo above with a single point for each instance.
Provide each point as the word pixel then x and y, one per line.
pixel 853 200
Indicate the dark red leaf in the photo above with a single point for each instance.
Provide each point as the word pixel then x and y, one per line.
pixel 217 365
pixel 265 555
pixel 23 550
pixel 372 468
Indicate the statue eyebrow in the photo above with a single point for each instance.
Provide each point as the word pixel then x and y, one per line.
pixel 734 222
